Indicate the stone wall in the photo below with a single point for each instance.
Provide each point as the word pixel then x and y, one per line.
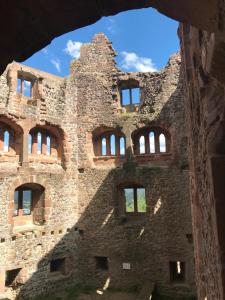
pixel 203 64
pixel 82 214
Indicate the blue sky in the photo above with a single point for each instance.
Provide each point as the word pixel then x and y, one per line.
pixel 143 40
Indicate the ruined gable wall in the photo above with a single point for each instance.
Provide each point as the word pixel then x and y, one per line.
pixel 106 232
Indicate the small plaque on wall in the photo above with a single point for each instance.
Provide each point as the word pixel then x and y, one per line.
pixel 126 266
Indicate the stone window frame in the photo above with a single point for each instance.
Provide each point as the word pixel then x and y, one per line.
pixel 56 144
pixel 176 276
pixel 107 134
pixel 129 84
pixel 15 140
pixel 23 76
pixel 67 268
pixel 122 200
pixel 37 206
pixel 145 132
pixel 43 212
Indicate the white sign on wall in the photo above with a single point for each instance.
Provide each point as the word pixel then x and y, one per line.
pixel 126 266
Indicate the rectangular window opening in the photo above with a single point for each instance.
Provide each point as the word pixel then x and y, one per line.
pixel 135 95
pixel 126 97
pixel 24 87
pixel 177 271
pixel 11 277
pixel 102 263
pixel 129 196
pixel 27 200
pixel 57 265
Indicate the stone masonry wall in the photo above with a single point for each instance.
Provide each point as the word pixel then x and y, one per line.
pixel 82 215
pixel 148 242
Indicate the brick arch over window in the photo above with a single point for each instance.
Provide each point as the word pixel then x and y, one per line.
pixel 109 142
pixel 151 140
pixel 10 137
pixel 29 202
pixel 46 141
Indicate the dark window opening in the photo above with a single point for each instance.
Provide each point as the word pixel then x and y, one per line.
pixel 135 201
pixel 58 265
pixel 177 271
pixel 102 262
pixel 130 96
pixel 11 277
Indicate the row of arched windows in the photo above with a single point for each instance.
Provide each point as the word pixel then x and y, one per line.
pixel 145 141
pixel 40 141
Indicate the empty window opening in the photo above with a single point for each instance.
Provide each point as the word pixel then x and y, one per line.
pixel 24 87
pixel 113 145
pixel 42 142
pixel 142 144
pixel 11 277
pixel 130 96
pixel 104 146
pixel 58 265
pixel 6 141
pixel 22 202
pixel 177 271
pixel 48 145
pixel 109 143
pixel 162 143
pixel 122 146
pixel 135 200
pixel 152 142
pixel 102 262
pixel 29 203
pixel 39 143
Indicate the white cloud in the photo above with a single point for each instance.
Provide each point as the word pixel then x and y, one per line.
pixel 132 62
pixel 57 64
pixel 44 50
pixel 73 48
pixel 111 26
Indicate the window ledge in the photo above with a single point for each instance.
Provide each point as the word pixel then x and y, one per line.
pixel 153 156
pixel 25 228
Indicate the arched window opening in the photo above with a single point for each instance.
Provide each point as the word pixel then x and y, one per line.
pixel 162 143
pixel 39 143
pixel 142 144
pixel 109 143
pixel 44 143
pixel 135 200
pixel 48 145
pixel 30 143
pixel 152 142
pixel 29 204
pixel 122 146
pixel 6 141
pixel 113 144
pixel 103 152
